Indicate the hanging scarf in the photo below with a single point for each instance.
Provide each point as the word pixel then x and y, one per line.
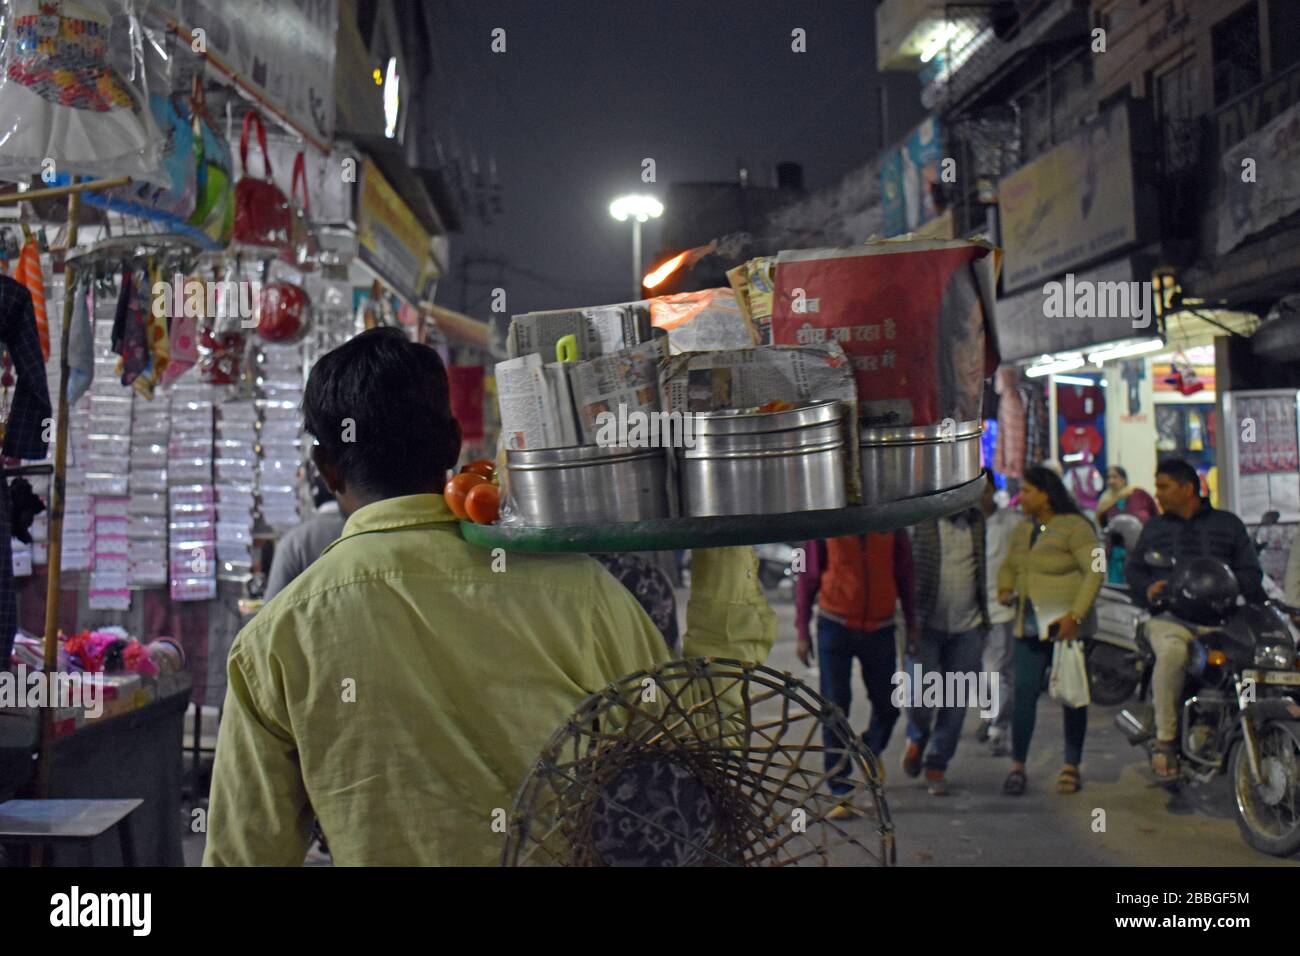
pixel 135 341
pixel 119 316
pixel 81 344
pixel 28 272
pixel 184 346
pixel 156 341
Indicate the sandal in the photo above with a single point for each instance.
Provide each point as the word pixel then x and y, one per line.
pixel 1164 761
pixel 1015 784
pixel 1067 781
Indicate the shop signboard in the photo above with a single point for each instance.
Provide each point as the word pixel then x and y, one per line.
pixel 283 49
pixel 1072 205
pixel 908 174
pixel 390 238
pixel 1252 110
pixel 1025 329
pixel 1261 180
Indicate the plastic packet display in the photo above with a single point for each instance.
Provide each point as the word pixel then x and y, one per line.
pixel 73 92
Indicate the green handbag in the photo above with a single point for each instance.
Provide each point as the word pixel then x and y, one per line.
pixel 214 208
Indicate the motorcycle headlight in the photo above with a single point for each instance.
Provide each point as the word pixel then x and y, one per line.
pixel 1275 656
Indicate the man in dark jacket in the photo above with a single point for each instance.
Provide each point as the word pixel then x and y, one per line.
pixel 1188 527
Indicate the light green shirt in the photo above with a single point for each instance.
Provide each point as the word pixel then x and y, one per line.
pixel 401 688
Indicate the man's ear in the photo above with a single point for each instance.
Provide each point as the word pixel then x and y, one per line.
pixel 328 470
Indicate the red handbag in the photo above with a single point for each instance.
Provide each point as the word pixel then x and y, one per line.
pixel 262 214
pixel 283 313
pixel 303 246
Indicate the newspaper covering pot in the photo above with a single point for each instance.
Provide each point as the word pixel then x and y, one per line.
pixel 914 317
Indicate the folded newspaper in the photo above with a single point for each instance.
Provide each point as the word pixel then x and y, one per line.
pixel 598 330
pixel 553 405
pixel 750 378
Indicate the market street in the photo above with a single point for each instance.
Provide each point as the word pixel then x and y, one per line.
pixel 976 825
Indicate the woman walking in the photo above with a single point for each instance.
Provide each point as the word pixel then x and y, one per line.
pixel 1052 574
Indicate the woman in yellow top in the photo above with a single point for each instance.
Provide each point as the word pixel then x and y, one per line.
pixel 1053 572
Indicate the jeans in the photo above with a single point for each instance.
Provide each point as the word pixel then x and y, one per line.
pixel 1170 641
pixel 999 658
pixel 943 653
pixel 1033 659
pixel 837 646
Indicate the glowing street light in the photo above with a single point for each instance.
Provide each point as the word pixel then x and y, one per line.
pixel 639 209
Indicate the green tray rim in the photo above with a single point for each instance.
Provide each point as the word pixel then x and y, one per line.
pixel 672 534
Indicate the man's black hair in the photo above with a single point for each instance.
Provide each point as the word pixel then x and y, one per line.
pixel 380 407
pixel 1181 472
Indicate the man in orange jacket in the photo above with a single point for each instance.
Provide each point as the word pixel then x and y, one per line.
pixel 857 582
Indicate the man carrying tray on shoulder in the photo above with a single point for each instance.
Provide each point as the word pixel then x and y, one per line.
pixel 400 689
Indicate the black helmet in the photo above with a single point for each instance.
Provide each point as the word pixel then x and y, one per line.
pixel 1202 590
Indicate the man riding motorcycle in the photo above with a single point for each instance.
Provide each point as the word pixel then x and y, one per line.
pixel 1187 527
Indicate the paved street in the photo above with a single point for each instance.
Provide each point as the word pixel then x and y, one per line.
pixel 1146 825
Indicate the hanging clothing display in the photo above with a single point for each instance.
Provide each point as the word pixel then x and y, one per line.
pixel 1009 457
pixel 1038 423
pixel 24 432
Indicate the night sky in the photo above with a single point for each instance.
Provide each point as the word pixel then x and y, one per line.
pixel 587 89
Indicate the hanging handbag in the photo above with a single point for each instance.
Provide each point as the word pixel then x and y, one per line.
pixel 214 210
pixel 262 216
pixel 303 245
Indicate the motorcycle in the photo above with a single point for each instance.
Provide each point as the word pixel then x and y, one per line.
pixel 1112 651
pixel 1240 706
pixel 775 563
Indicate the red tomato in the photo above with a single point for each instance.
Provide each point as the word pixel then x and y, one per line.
pixel 483 466
pixel 456 491
pixel 483 503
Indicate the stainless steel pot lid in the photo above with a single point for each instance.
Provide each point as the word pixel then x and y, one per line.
pixel 576 456
pixel 751 420
pixel 921 434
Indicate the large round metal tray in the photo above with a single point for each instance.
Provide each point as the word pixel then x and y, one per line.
pixel 670 534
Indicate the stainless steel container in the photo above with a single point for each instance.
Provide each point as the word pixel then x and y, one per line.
pixel 588 484
pixel 751 463
pixel 905 462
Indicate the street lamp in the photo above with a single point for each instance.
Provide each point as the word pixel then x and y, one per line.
pixel 639 209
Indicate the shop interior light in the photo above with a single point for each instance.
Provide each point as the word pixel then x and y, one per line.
pixel 1125 351
pixel 1078 380
pixel 1065 363
pixel 640 208
pixel 392 98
